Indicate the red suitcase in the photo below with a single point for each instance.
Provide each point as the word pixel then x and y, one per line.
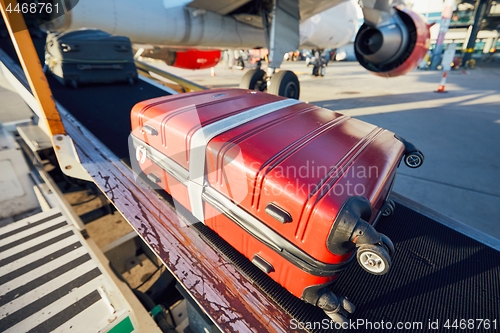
pixel 294 187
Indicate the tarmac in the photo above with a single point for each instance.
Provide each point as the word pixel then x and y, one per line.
pixel 458 131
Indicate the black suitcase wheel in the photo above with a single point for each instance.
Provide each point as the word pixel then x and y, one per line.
pixel 374 259
pixel 387 243
pixel 347 305
pixel 388 208
pixel 414 159
pixel 337 317
pixel 131 81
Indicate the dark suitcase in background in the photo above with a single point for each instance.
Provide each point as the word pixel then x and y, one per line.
pixel 90 56
pixel 295 188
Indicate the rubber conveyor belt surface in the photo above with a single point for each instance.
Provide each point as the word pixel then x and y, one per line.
pixel 437 274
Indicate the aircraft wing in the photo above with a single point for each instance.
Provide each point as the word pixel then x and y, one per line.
pixel 248 11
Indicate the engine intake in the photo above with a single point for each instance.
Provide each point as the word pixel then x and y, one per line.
pixel 394 47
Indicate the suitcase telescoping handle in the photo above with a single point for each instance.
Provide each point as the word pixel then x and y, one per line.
pixel 75 48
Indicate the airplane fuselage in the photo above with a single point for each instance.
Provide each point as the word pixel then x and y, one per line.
pixel 175 23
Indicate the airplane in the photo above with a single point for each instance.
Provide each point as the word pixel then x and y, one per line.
pixel 391 42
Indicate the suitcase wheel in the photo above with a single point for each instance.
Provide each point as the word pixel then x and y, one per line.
pixel 374 259
pixel 72 83
pixel 387 243
pixel 414 159
pixel 337 307
pixel 389 208
pixel 347 305
pixel 336 317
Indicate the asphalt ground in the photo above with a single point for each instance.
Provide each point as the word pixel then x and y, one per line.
pixel 458 131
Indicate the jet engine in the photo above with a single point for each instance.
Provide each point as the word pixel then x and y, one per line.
pixel 395 46
pixel 184 58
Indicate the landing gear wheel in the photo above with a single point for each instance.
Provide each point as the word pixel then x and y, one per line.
pixel 286 84
pixel 414 159
pixel 315 71
pixel 387 243
pixel 254 79
pixel 322 71
pixel 240 64
pixel 374 259
pixel 388 209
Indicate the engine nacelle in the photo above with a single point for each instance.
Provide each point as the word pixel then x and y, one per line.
pixel 394 47
pixel 187 59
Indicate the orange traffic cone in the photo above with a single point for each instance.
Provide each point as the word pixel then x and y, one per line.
pixel 442 83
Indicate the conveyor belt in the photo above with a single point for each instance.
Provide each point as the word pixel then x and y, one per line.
pixel 437 273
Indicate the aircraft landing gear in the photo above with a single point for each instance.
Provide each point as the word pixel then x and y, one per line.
pixel 240 64
pixel 283 83
pixel 281 22
pixel 254 79
pixel 319 63
pixel 286 84
pixel 319 70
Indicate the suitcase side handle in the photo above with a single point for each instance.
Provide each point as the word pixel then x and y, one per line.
pixel 154 178
pixel 278 213
pixel 150 130
pixel 262 264
pixel 70 48
pixel 122 48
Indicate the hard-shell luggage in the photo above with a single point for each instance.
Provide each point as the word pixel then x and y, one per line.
pixel 90 56
pixel 294 187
